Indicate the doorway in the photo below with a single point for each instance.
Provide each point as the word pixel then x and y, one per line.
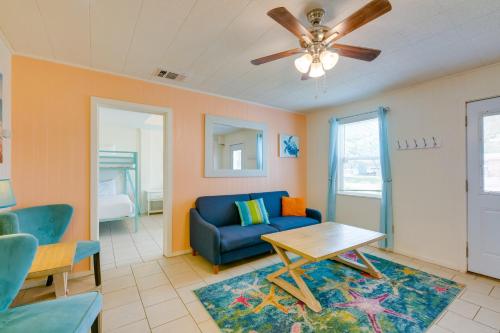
pixel 131 181
pixel 483 182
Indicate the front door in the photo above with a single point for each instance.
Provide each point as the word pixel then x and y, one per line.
pixel 483 168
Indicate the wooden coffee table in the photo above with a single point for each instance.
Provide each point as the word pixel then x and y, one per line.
pixel 56 260
pixel 316 243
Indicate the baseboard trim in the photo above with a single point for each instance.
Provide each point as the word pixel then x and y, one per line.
pixel 179 253
pixel 432 261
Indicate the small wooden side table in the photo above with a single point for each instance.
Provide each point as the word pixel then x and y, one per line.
pixel 55 260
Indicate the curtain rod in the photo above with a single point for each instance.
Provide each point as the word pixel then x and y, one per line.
pixel 360 114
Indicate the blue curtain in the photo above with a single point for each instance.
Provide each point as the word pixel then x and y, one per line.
pixel 332 170
pixel 260 149
pixel 386 200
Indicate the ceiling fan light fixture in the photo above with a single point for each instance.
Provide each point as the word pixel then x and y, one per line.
pixel 328 59
pixel 303 63
pixel 316 69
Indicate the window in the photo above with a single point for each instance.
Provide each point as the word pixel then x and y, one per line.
pixel 236 156
pixel 491 153
pixel 359 157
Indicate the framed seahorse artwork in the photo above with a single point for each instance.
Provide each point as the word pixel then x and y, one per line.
pixel 289 145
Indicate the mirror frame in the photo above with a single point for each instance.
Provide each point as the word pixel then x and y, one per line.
pixel 210 171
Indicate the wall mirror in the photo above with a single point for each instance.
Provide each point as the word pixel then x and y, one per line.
pixel 234 147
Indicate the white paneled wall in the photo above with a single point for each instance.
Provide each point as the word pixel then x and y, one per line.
pixel 429 195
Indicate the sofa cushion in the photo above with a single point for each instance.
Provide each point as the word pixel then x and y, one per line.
pixel 293 206
pixel 73 314
pixel 220 210
pixel 291 222
pixel 272 201
pixel 252 212
pixel 234 237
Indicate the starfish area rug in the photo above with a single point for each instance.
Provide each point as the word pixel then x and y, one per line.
pixel 403 300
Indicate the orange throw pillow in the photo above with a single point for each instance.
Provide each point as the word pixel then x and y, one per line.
pixel 293 206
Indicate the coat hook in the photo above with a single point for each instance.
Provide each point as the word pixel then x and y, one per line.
pixel 425 142
pixel 416 143
pixel 407 145
pixel 435 143
pixel 399 145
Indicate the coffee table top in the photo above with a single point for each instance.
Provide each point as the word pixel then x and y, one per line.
pixel 52 259
pixel 321 241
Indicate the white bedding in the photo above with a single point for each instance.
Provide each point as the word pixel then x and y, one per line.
pixel 115 206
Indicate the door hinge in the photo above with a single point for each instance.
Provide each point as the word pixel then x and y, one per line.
pixel 466 185
pixel 467 250
pixel 466 121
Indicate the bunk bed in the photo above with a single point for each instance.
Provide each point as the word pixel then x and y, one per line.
pixel 115 204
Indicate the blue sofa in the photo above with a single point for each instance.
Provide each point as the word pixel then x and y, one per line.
pixel 216 232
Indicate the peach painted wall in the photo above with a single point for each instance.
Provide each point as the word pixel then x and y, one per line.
pixel 51 140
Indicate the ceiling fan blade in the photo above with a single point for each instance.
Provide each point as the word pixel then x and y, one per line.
pixel 356 52
pixel 359 18
pixel 289 22
pixel 277 56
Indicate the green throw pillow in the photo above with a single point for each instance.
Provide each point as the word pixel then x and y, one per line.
pixel 252 212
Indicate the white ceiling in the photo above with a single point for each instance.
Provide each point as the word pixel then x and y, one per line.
pixel 213 41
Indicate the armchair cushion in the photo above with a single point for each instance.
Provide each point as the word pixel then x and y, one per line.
pixel 236 236
pixel 291 222
pixel 272 201
pixel 47 223
pixel 71 314
pixel 85 249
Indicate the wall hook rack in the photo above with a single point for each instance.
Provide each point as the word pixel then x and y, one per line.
pixel 432 142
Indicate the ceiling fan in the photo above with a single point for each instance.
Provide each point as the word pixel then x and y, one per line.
pixel 317 44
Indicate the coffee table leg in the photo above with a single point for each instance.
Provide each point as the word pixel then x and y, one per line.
pixel 61 284
pixel 302 292
pixel 366 267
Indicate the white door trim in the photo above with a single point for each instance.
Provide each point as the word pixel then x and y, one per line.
pixel 95 104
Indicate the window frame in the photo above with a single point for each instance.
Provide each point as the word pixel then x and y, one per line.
pixel 233 148
pixel 482 188
pixel 340 157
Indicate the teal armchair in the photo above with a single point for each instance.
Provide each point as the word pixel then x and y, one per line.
pixel 77 314
pixel 48 224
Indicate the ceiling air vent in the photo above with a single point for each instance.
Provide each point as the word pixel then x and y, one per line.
pixel 164 74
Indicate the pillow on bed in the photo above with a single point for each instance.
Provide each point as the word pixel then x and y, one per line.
pixel 107 188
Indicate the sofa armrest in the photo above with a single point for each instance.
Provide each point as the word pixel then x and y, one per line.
pixel 314 214
pixel 204 237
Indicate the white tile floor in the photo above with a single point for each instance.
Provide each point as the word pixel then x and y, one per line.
pixel 156 296
pixel 120 245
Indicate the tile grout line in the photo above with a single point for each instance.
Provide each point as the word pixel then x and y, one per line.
pixel 178 296
pixel 140 297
